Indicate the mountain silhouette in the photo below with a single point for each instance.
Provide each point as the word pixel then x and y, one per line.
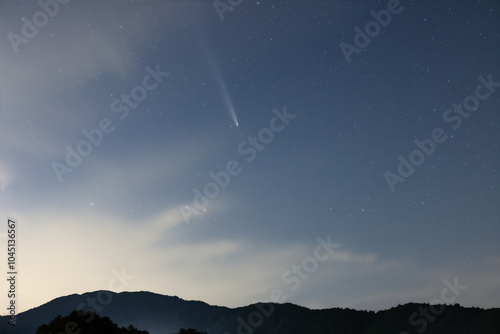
pixel 160 314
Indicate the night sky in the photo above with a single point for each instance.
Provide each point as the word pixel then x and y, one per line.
pixel 216 148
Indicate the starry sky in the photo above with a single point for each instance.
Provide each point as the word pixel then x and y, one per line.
pixel 217 145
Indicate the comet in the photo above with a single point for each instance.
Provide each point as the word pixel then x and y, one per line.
pixel 219 78
pixel 217 73
pixel 227 99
